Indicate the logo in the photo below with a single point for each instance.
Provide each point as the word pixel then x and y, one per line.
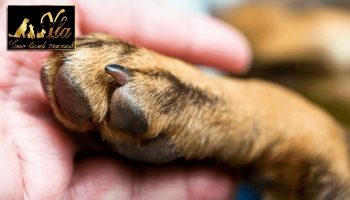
pixel 40 27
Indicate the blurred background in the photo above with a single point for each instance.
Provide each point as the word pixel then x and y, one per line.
pixel 301 44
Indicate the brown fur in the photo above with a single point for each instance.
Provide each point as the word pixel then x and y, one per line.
pixel 283 143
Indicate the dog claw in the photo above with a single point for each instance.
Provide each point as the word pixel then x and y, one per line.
pixel 119 73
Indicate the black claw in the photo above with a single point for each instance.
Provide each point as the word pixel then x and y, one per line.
pixel 119 73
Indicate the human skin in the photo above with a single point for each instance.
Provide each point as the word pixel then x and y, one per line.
pixel 37 153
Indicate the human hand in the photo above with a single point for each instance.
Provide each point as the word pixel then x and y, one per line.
pixel 37 154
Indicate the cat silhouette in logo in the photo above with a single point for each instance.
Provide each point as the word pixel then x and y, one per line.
pixel 21 29
pixel 41 34
pixel 31 33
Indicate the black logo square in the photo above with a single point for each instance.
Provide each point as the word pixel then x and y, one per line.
pixel 40 27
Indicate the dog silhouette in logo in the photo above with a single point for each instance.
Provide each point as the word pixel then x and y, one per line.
pixel 31 33
pixel 21 29
pixel 41 34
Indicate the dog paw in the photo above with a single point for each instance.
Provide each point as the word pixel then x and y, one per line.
pixel 112 86
pixel 140 101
